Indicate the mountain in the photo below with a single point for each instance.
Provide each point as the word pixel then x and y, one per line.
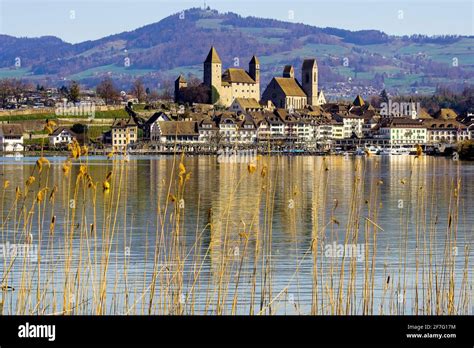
pixel 366 59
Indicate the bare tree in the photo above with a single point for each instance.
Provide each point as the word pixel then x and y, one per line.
pixel 167 90
pixel 11 88
pixel 138 90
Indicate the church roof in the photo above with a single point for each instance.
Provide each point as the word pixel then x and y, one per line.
pixel 233 75
pixel 181 78
pixel 254 60
pixel 358 101
pixel 309 64
pixel 290 86
pixel 288 71
pixel 213 57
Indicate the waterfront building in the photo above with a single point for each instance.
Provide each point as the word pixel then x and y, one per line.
pixel 11 138
pixel 404 131
pixel 445 131
pixel 62 136
pixel 124 133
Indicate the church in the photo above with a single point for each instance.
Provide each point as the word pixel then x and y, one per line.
pixel 288 93
pixel 237 83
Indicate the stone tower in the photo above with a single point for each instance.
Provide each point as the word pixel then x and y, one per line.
pixel 179 85
pixel 309 80
pixel 254 72
pixel 213 70
pixel 288 71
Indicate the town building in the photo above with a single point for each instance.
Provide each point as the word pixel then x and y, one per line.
pixel 124 134
pixel 225 86
pixel 11 138
pixel 245 105
pixel 61 136
pixel 445 131
pixel 288 93
pixel 404 131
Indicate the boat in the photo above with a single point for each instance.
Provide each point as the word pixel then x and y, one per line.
pixel 394 151
pixel 372 150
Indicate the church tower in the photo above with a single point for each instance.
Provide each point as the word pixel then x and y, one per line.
pixel 254 72
pixel 309 80
pixel 213 70
pixel 179 85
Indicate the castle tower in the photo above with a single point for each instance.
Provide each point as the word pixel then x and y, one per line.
pixel 179 85
pixel 213 70
pixel 289 71
pixel 254 72
pixel 309 80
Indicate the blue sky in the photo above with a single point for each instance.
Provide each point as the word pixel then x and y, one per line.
pixel 81 20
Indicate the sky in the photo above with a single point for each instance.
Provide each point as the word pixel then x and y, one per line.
pixel 81 20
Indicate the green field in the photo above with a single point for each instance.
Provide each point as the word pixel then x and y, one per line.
pixel 112 68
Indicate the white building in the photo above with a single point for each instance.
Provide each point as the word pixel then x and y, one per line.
pixel 404 131
pixel 446 131
pixel 61 136
pixel 11 138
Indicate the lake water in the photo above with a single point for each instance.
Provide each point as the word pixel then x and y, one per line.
pixel 292 235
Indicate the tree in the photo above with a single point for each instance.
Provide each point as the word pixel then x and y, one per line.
pixel 384 96
pixel 11 88
pixel 214 95
pixel 107 90
pixel 167 90
pixel 78 128
pixel 138 90
pixel 5 91
pixel 74 92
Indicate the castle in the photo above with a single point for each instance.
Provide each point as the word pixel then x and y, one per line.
pixel 284 92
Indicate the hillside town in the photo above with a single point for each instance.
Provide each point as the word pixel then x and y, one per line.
pixel 229 111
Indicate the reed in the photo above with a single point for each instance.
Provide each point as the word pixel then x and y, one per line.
pixel 222 264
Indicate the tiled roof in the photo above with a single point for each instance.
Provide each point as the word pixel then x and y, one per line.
pixel 178 128
pixel 248 103
pixel 290 86
pixel 58 131
pixel 11 129
pixel 446 113
pixel 121 123
pixel 233 75
pixel 213 57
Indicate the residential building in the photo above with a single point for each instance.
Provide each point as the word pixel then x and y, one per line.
pixel 404 131
pixel 445 131
pixel 124 134
pixel 62 136
pixel 11 138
